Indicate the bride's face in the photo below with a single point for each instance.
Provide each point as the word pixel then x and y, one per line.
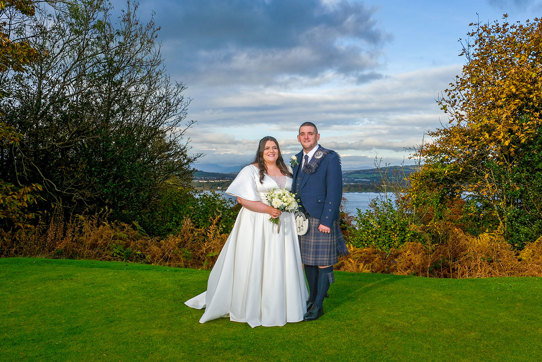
pixel 270 152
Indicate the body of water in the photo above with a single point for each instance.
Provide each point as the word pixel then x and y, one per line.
pixel 352 201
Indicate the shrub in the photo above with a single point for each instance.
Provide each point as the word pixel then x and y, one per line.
pixel 460 256
pixel 364 260
pixel 466 256
pixel 17 204
pixel 84 237
pixel 175 204
pixel 531 256
pixel 412 258
pixel 382 226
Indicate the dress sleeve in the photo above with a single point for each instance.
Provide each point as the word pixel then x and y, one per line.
pixel 244 185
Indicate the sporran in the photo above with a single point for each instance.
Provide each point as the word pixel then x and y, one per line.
pixel 301 223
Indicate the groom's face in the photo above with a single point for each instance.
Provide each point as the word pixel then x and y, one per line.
pixel 308 137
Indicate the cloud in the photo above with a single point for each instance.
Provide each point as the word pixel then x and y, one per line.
pixel 261 67
pixel 391 100
pixel 267 42
pixel 515 4
pixel 385 118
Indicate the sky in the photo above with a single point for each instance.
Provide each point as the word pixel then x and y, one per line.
pixel 367 73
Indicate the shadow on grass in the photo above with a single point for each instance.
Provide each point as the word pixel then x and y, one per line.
pixel 351 287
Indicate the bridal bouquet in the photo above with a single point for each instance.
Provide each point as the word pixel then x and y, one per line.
pixel 283 200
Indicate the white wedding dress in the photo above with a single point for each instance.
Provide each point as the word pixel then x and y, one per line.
pixel 258 276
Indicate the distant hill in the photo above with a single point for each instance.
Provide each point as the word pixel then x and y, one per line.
pixel 219 168
pixel 203 175
pixel 353 180
pixel 377 175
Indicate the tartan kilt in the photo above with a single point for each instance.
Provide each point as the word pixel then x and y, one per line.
pixel 319 248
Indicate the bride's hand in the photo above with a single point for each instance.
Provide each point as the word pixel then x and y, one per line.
pixel 258 206
pixel 274 212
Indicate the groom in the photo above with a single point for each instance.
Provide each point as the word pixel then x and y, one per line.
pixel 318 184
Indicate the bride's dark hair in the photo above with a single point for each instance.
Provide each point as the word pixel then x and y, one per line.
pixel 260 163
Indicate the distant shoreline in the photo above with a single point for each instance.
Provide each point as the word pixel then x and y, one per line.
pixel 222 185
pixel 384 179
pixel 352 200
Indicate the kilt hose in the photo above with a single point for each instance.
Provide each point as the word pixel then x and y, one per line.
pixel 317 248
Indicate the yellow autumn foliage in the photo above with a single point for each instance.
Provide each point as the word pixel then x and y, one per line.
pixel 14 54
pixel 489 151
pixel 461 256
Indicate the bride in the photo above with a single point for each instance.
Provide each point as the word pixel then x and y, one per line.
pixel 258 277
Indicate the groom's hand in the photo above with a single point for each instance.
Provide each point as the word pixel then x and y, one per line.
pixel 324 229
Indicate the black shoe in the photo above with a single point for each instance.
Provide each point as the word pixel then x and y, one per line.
pixel 314 313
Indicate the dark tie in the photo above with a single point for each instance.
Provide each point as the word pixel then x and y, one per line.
pixel 305 163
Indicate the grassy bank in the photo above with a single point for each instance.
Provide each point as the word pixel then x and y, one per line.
pixel 73 310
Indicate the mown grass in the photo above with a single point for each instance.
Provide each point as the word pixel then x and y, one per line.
pixel 90 310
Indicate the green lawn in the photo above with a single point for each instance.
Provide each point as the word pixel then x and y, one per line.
pixel 89 310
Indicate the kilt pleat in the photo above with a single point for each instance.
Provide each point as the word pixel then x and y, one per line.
pixel 319 248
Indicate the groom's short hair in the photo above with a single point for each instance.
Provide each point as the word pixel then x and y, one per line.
pixel 308 124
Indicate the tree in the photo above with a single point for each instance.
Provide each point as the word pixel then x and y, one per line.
pixel 15 51
pixel 489 154
pixel 103 126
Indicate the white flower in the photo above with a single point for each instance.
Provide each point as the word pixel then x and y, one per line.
pixel 293 161
pixel 282 199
